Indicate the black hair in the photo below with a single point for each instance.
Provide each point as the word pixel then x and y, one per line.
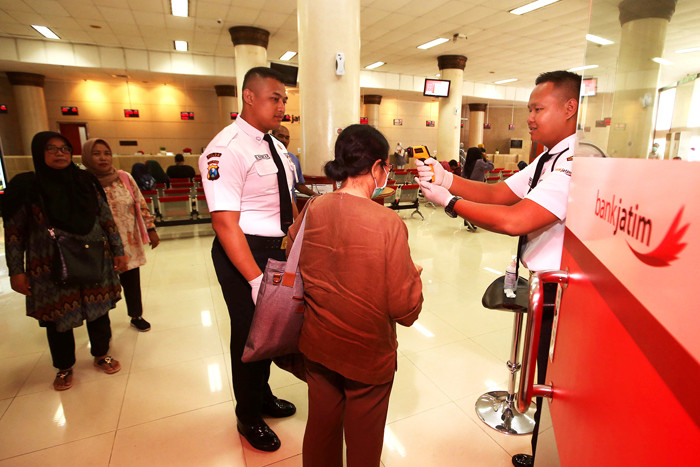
pixel 566 80
pixel 357 148
pixel 473 155
pixel 453 163
pixel 179 158
pixel 261 72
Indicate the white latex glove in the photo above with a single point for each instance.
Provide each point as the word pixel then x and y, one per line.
pixel 437 194
pixel 442 177
pixel 255 288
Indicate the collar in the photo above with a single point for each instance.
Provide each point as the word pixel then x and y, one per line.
pixel 249 129
pixel 567 143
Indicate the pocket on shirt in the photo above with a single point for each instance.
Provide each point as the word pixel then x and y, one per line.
pixel 265 167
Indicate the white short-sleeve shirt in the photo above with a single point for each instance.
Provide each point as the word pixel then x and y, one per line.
pixel 239 174
pixel 544 246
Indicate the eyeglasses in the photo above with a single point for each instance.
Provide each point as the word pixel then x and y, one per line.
pixel 53 150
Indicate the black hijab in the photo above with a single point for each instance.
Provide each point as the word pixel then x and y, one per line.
pixel 473 155
pixel 69 195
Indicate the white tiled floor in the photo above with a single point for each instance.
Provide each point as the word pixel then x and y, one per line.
pixel 172 402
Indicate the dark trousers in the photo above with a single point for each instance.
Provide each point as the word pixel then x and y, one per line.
pixel 249 379
pixel 550 296
pixel 336 405
pixel 62 344
pixel 131 283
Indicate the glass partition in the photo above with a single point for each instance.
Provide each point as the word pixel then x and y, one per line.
pixel 643 91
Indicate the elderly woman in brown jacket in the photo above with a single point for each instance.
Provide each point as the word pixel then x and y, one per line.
pixel 359 281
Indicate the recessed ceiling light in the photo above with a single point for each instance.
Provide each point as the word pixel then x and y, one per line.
pixel 685 51
pixel 181 46
pixel 374 65
pixel 662 61
pixel 532 6
pixel 585 67
pixel 504 81
pixel 598 40
pixel 46 32
pixel 433 43
pixel 179 7
pixel 288 55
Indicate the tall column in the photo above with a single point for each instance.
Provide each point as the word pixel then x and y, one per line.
pixel 28 89
pixel 477 113
pixel 643 37
pixel 372 102
pixel 450 108
pixel 250 50
pixel 226 96
pixel 329 102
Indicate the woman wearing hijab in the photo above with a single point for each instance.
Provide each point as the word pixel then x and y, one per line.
pixel 351 304
pixel 144 180
pixel 60 195
pixel 476 165
pixel 133 219
pixel 157 172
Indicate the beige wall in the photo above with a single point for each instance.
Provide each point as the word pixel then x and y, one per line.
pixel 413 132
pixel 9 122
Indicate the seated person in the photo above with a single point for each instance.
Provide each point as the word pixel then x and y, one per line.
pixel 282 134
pixel 180 169
pixel 455 168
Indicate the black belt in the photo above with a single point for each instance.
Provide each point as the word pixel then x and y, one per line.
pixel 256 242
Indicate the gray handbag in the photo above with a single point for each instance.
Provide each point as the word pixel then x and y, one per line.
pixel 279 310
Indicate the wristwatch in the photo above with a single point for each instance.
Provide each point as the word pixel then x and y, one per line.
pixel 450 208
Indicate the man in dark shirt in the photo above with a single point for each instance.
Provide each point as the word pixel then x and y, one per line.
pixel 180 169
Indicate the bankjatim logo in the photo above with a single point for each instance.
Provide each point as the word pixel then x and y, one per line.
pixel 630 221
pixel 669 248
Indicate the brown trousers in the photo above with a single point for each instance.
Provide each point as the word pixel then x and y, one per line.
pixel 338 404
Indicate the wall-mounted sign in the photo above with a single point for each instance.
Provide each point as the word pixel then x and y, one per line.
pixel 131 113
pixel 620 126
pixel 69 110
pixel 511 127
pixel 398 122
pixel 430 123
pixel 600 124
pixel 234 115
pixel 487 126
pixel 186 115
pixel 364 121
pixel 128 142
pixel 287 118
pixel 3 109
pixel 607 121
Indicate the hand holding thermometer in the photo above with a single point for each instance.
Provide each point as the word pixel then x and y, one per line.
pixel 420 153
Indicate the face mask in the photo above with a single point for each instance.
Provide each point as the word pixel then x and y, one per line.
pixel 378 189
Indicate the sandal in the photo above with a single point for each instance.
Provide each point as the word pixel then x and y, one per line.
pixel 64 380
pixel 108 364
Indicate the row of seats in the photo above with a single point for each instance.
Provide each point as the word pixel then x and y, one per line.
pixel 496 175
pixel 177 205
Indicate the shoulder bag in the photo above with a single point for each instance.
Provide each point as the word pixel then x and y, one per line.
pixel 279 310
pixel 77 259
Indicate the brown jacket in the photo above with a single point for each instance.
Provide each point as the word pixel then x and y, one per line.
pixel 359 280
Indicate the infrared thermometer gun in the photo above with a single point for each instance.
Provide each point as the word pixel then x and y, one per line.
pixel 421 153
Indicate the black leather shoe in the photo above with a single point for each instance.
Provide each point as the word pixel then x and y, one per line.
pixel 278 408
pixel 259 435
pixel 523 460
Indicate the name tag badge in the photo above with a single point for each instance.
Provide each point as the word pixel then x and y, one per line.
pixel 259 157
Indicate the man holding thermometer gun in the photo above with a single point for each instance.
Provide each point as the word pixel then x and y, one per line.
pixel 530 204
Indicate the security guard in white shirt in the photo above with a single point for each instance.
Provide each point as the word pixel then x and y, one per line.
pixel 535 210
pixel 248 189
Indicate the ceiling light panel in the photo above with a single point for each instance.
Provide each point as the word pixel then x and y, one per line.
pixel 433 43
pixel 374 65
pixel 179 8
pixel 288 55
pixel 532 6
pixel 598 40
pixel 46 32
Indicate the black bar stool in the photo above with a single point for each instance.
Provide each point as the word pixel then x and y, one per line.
pixel 497 408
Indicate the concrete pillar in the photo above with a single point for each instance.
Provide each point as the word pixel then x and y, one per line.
pixel 329 102
pixel 450 108
pixel 643 37
pixel 226 97
pixel 250 50
pixel 28 89
pixel 372 102
pixel 477 114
